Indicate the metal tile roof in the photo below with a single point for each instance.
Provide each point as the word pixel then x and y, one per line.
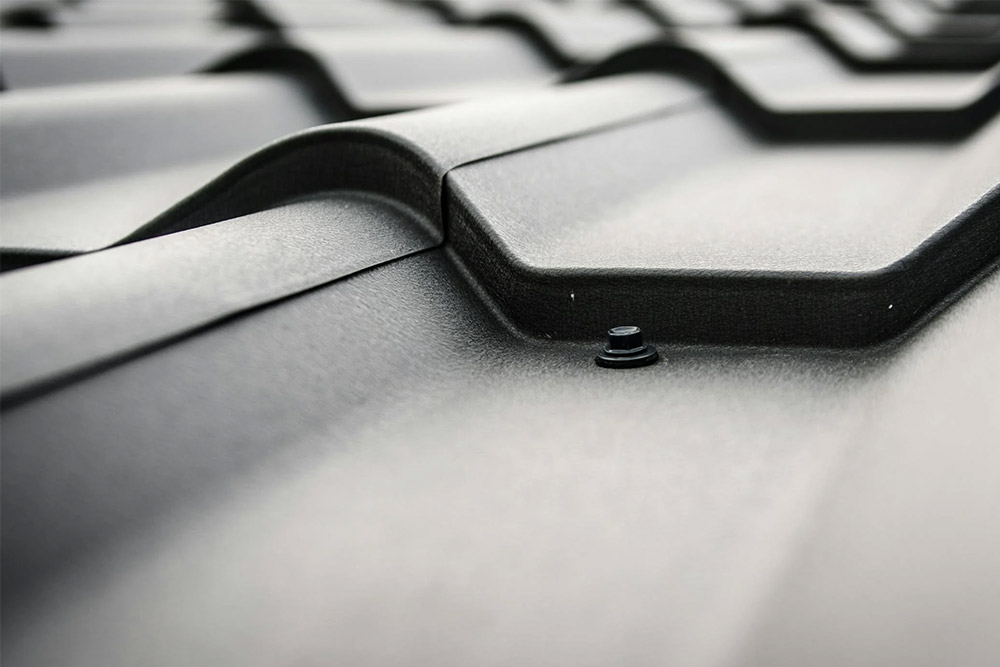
pixel 300 302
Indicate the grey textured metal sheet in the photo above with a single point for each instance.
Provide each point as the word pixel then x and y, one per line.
pixel 284 382
pixel 70 56
pixel 373 507
pixel 868 42
pixel 84 167
pixel 74 314
pixel 382 69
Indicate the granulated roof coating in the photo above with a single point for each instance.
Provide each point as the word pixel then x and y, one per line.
pixel 300 304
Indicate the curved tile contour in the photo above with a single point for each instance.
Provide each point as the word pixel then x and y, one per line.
pixel 387 170
pixel 727 237
pixel 831 106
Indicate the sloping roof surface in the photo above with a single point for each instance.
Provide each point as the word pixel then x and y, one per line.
pixel 300 302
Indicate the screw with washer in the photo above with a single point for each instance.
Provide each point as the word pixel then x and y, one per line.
pixel 625 349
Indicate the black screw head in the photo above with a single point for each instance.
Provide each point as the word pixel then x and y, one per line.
pixel 625 349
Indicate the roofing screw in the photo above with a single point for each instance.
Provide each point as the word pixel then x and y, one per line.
pixel 625 349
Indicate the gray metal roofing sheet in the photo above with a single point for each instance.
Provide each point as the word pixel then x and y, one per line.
pixel 290 379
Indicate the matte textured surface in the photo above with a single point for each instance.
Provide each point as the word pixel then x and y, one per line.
pixel 386 69
pixel 92 54
pixel 84 311
pixel 654 242
pixel 566 205
pixel 452 474
pixel 84 168
pixel 289 381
